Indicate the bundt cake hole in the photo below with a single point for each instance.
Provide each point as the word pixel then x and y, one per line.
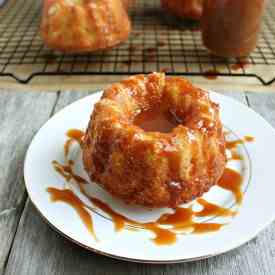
pixel 156 119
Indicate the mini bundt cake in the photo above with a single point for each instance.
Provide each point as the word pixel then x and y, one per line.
pixel 84 25
pixel 172 161
pixel 191 9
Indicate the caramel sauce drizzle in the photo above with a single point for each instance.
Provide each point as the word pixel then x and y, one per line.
pixel 235 156
pixel 66 171
pixel 210 209
pixel 180 221
pixel 249 139
pixel 74 135
pixel 232 181
pixel 162 236
pixel 67 196
pixel 118 219
pixel 233 144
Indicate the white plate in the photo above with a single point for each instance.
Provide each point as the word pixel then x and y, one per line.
pixel 255 213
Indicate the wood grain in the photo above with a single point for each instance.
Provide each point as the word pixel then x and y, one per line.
pixel 20 117
pixel 38 249
pixel 264 104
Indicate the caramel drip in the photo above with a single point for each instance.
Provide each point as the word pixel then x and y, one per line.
pixel 74 135
pixel 67 196
pixel 233 144
pixel 232 181
pixel 235 156
pixel 162 236
pixel 66 171
pixel 118 219
pixel 211 209
pixel 200 228
pixel 182 219
pixel 249 139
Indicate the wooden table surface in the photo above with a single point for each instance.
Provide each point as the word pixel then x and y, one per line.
pixel 29 246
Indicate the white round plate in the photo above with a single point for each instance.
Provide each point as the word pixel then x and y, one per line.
pixel 255 213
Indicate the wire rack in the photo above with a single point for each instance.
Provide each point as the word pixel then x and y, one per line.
pixel 154 45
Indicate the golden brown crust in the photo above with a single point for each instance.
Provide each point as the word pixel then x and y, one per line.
pixel 150 168
pixel 84 25
pixel 184 8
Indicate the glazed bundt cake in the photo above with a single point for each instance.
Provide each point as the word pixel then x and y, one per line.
pixel 191 9
pixel 172 161
pixel 84 25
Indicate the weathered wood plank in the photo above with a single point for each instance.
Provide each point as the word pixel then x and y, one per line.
pixel 20 116
pixel 65 99
pixel 264 104
pixel 39 250
pixel 68 97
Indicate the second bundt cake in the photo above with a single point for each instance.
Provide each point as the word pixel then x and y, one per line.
pixel 84 25
pixel 155 141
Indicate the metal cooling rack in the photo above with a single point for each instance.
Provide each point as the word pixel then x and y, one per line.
pixel 155 45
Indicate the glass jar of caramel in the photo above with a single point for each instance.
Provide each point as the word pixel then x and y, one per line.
pixel 185 9
pixel 230 28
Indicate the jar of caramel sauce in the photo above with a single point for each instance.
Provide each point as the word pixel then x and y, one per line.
pixel 185 9
pixel 230 28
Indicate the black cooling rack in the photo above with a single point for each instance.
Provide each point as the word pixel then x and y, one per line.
pixel 156 44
